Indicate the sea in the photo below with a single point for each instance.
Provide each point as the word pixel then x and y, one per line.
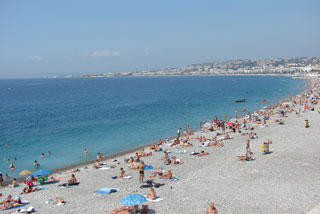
pixel 111 115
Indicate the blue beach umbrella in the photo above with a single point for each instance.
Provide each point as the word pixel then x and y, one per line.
pixel 133 199
pixel 41 172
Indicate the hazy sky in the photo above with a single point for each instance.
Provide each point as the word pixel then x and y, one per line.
pixel 46 38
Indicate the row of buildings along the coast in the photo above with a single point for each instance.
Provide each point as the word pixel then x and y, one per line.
pixel 275 66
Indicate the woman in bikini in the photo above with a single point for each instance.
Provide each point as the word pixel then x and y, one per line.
pixel 168 175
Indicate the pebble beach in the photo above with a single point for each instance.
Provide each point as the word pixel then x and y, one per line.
pixel 284 181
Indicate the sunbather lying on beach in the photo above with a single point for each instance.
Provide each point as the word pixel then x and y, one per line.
pixel 152 194
pixel 122 173
pixel 227 136
pixel 29 189
pixel 72 171
pixel 134 165
pixel 167 175
pixel 143 154
pixel 57 200
pixel 216 143
pixel 155 147
pixel 247 157
pixel 8 199
pixel 129 160
pixel 11 203
pixel 14 183
pixel 186 144
pixel 175 161
pixel 203 153
pixel 253 135
pixel 122 210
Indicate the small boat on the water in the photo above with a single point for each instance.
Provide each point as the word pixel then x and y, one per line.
pixel 240 101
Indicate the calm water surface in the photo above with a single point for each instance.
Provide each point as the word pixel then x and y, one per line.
pixel 110 115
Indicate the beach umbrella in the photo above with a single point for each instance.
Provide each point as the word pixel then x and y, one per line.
pixel 133 199
pixel 41 172
pixel 25 172
pixel 229 123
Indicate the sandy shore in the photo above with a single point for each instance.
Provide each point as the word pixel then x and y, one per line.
pixel 285 181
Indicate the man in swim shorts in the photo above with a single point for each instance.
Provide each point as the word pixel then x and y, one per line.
pixel 141 171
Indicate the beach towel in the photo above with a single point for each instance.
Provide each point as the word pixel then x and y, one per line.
pixel 43 188
pixel 65 185
pixel 204 144
pixel 179 152
pixel 148 167
pixel 224 138
pixel 107 190
pixel 155 200
pixel 29 210
pixel 261 147
pixel 104 167
pixel 156 173
pixel 51 201
pixel 22 205
pixel 171 179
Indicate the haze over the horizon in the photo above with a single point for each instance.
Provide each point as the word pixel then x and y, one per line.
pixel 47 38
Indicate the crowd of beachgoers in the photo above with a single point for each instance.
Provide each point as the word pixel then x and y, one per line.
pixel 136 168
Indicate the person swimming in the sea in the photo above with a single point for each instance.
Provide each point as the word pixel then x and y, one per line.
pixel 36 164
pixel 11 167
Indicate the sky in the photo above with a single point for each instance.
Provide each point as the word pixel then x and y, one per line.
pixel 48 38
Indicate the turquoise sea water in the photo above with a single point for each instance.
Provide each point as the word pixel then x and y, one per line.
pixel 110 115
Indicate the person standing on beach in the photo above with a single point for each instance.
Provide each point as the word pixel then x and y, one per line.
pixel 141 171
pixel 1 179
pixel 248 146
pixel 179 132
pixel 85 151
pixel 200 124
pixel 212 209
pixel 222 125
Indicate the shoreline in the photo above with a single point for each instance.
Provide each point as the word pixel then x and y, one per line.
pixel 132 150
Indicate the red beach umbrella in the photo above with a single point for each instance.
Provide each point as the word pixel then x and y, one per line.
pixel 229 123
